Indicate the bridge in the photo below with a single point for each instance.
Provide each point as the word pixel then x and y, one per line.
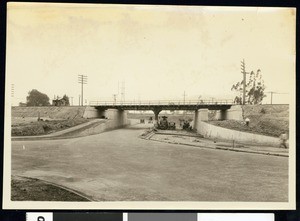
pixel 159 105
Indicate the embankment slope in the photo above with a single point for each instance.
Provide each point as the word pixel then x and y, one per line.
pixel 24 120
pixel 267 119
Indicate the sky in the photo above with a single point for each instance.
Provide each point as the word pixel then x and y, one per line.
pixel 159 52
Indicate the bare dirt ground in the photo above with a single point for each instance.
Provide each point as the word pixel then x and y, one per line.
pixel 270 120
pixel 29 189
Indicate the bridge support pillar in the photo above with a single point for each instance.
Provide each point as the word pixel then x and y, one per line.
pixel 156 113
pixel 220 115
pixel 195 120
pixel 200 115
pixel 234 113
pixel 92 112
pixel 203 114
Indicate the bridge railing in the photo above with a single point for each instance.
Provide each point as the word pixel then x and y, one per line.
pixel 161 102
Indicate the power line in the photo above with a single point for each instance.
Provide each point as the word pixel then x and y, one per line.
pixel 82 79
pixel 273 92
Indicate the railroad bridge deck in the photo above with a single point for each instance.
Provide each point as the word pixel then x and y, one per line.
pixel 163 105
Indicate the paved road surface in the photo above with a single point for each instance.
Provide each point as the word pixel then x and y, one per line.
pixel 117 165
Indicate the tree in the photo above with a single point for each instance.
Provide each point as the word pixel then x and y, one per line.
pixel 255 88
pixel 66 98
pixel 36 98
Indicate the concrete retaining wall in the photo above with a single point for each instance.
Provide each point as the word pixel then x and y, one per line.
pixel 117 117
pixel 114 119
pixel 109 124
pixel 211 131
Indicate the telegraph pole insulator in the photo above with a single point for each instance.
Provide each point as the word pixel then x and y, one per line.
pixel 243 66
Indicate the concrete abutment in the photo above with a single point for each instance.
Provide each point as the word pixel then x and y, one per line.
pixel 117 118
pixel 234 113
pixel 215 132
pixel 200 115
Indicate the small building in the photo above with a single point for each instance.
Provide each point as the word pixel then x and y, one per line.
pixel 59 102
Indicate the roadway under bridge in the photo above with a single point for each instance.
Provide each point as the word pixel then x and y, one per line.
pixel 224 107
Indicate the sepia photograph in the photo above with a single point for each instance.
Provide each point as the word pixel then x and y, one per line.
pixel 114 106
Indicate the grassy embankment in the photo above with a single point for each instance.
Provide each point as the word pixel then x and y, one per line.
pixel 270 120
pixel 25 119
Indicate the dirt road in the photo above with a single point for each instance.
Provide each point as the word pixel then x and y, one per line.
pixel 117 165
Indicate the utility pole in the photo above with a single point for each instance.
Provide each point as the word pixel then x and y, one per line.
pixel 82 79
pixel 273 92
pixel 243 69
pixel 71 101
pixel 79 100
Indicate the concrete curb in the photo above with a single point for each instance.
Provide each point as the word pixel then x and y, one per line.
pixel 180 134
pixel 255 152
pixel 209 146
pixel 59 134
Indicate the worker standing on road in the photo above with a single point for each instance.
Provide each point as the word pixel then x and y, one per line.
pixel 247 120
